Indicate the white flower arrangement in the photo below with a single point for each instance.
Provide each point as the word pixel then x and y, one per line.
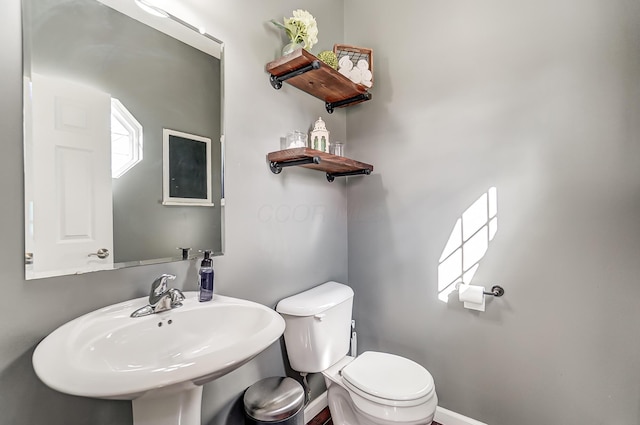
pixel 301 28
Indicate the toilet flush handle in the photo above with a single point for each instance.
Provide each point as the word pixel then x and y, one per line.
pixel 320 316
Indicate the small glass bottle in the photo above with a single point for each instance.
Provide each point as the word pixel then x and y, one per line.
pixel 337 148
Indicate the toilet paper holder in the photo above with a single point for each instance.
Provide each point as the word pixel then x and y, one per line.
pixel 496 291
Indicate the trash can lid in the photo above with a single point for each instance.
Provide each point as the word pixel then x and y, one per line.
pixel 273 399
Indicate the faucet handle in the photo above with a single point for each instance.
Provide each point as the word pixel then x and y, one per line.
pixel 176 297
pixel 159 287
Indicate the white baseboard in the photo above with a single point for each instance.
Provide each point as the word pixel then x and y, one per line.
pixel 447 417
pixel 443 416
pixel 315 406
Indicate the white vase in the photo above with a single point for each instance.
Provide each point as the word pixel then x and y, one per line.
pixel 291 47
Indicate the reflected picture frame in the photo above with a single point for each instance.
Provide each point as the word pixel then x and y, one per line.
pixel 186 169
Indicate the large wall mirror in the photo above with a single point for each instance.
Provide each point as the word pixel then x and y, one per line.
pixel 123 141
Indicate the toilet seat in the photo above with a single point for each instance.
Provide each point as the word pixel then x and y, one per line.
pixel 388 379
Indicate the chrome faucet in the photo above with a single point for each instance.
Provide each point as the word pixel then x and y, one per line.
pixel 161 298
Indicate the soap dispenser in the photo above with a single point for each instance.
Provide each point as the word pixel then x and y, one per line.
pixel 205 277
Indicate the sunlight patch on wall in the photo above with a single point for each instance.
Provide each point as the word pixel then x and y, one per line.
pixel 468 243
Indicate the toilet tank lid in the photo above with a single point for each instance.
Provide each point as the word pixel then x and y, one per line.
pixel 315 300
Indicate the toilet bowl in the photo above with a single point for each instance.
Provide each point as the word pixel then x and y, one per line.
pixel 380 388
pixel 371 389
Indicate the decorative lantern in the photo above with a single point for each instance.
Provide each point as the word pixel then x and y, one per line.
pixel 320 136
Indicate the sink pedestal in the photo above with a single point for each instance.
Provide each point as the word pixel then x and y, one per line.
pixel 173 408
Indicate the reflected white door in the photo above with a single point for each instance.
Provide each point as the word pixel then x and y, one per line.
pixel 70 164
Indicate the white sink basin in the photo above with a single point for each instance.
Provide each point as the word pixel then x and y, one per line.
pixel 108 354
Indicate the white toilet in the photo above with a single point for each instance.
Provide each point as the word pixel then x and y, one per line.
pixel 373 388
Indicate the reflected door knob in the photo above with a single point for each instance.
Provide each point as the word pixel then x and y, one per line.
pixel 102 253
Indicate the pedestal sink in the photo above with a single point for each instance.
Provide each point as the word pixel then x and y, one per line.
pixel 160 361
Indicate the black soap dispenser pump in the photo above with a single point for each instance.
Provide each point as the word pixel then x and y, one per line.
pixel 205 277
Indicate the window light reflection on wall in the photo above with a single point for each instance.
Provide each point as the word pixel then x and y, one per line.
pixel 468 243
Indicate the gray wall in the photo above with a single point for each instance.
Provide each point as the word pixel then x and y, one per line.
pixel 541 100
pixel 284 233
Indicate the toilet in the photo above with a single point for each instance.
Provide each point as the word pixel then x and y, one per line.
pixel 372 388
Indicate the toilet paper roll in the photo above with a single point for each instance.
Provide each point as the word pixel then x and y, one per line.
pixel 470 293
pixel 472 296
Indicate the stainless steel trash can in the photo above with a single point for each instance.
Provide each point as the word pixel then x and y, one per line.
pixel 274 401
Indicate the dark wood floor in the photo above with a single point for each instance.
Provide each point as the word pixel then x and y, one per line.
pixel 324 418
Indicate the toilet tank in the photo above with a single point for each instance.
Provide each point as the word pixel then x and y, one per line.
pixel 318 326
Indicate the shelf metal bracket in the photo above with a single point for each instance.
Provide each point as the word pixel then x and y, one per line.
pixel 276 167
pixel 276 82
pixel 331 176
pixel 358 98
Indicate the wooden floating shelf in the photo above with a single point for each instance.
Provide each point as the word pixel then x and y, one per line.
pixel 306 72
pixel 333 165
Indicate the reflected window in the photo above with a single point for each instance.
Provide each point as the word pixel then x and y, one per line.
pixel 126 139
pixel 468 243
